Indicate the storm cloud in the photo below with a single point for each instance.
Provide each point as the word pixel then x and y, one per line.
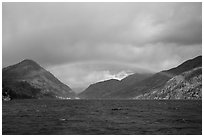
pixel 82 43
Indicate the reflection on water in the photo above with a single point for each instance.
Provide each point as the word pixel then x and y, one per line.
pixel 101 117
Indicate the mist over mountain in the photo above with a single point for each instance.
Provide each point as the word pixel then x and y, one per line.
pixel 159 79
pixel 139 84
pixel 27 79
pixel 84 43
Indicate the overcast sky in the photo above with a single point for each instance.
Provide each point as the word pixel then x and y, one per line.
pixel 82 43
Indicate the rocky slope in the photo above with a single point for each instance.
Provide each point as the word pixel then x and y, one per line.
pixel 27 79
pixel 187 85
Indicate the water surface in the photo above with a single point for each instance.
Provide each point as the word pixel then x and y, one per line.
pixel 98 117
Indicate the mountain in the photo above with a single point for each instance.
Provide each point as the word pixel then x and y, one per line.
pixel 135 85
pixel 187 85
pixel 27 79
pixel 158 80
pixel 134 78
pixel 100 89
pixel 110 88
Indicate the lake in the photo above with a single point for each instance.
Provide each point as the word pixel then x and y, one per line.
pixel 101 117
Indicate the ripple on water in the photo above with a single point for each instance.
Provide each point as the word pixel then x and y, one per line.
pixel 101 117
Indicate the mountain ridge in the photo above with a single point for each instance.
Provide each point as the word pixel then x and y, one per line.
pixel 150 82
pixel 31 75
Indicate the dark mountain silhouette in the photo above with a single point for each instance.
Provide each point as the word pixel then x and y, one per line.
pixel 27 79
pixel 110 88
pixel 134 78
pixel 100 89
pixel 133 86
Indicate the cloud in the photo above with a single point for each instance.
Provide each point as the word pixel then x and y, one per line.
pixel 83 76
pixel 101 38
